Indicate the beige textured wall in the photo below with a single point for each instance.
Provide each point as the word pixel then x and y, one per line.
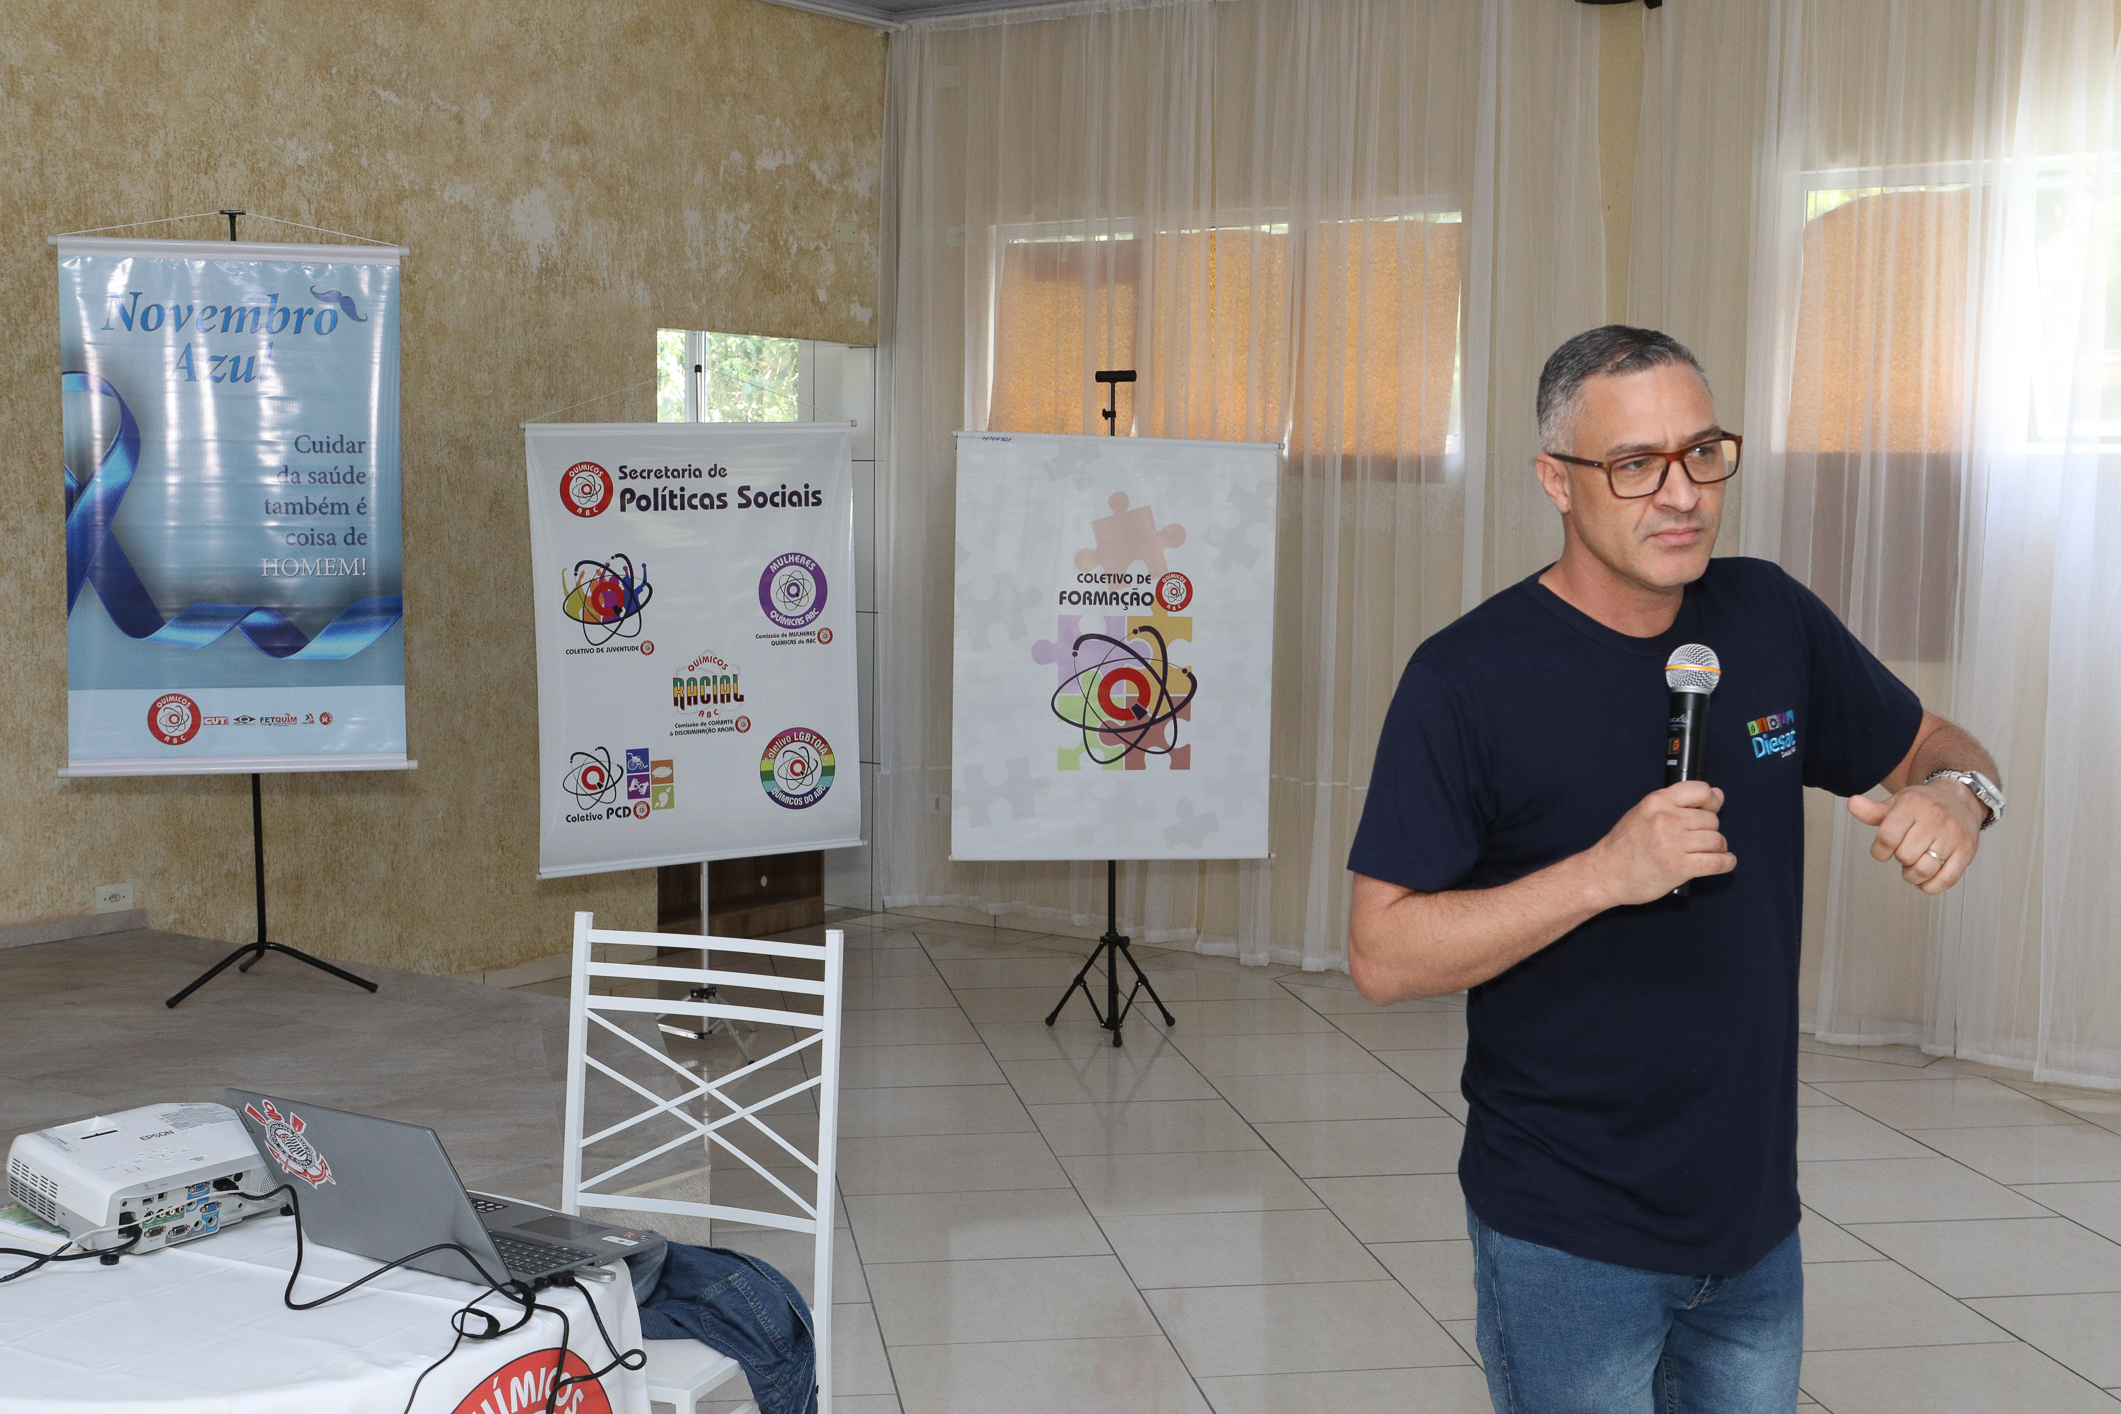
pixel 568 178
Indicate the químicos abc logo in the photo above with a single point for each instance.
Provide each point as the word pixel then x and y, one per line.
pixel 585 489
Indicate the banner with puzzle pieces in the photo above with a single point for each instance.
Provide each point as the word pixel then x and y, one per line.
pixel 1113 647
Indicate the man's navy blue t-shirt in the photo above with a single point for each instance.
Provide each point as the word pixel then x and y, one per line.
pixel 1633 1086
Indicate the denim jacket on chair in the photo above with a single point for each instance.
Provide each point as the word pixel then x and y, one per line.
pixel 744 1308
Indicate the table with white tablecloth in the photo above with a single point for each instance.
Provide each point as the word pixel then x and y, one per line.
pixel 201 1329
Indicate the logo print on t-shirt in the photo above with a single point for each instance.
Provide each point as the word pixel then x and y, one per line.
pixel 1774 734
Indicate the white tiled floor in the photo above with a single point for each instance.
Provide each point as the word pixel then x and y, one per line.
pixel 1257 1210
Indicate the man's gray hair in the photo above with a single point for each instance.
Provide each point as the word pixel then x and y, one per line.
pixel 1608 349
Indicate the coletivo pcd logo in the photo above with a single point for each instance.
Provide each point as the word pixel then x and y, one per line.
pixel 585 489
pixel 796 768
pixel 590 778
pixel 625 789
pixel 173 718
pixel 792 590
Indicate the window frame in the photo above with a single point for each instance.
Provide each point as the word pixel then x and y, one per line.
pixel 1266 220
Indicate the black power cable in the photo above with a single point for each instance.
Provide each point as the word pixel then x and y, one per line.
pixel 60 1254
pixel 510 1290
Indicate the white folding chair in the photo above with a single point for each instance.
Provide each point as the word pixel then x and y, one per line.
pixel 680 1372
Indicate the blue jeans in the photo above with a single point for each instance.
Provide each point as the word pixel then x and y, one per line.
pixel 1567 1335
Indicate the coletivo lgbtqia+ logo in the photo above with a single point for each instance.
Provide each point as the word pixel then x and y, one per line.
pixel 173 718
pixel 796 768
pixel 585 489
pixel 283 1136
pixel 792 590
pixel 524 1384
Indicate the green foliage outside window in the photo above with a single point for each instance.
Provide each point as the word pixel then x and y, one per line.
pixel 747 377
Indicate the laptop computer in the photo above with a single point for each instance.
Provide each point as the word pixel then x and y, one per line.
pixel 381 1189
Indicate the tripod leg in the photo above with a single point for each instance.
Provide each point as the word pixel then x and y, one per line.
pixel 1088 963
pixel 316 962
pixel 256 949
pixel 1112 988
pixel 1143 978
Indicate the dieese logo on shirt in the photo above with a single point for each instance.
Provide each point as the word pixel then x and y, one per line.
pixel 1774 734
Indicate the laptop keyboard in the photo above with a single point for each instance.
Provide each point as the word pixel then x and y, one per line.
pixel 536 1258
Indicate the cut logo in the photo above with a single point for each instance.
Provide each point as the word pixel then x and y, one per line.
pixel 283 1136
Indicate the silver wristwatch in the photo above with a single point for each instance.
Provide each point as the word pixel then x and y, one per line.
pixel 1985 790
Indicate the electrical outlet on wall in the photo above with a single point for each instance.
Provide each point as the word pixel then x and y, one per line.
pixel 846 231
pixel 114 898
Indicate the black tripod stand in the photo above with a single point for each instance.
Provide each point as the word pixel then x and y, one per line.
pixel 1114 945
pixel 257 853
pixel 257 950
pixel 1111 948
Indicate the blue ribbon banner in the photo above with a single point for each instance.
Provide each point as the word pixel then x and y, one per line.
pixel 94 555
pixel 234 539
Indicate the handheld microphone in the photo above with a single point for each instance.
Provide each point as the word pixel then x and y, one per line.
pixel 1691 673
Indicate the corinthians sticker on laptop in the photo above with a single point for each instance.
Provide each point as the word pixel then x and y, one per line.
pixel 283 1136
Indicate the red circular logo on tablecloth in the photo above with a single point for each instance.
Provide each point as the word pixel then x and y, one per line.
pixel 173 718
pixel 1174 591
pixel 585 489
pixel 521 1385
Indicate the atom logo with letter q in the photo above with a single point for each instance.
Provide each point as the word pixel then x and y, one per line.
pixel 585 489
pixel 173 719
pixel 1174 591
pixel 590 778
pixel 792 590
pixel 796 769
pixel 606 598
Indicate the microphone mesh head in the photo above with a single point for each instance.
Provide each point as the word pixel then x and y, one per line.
pixel 1692 668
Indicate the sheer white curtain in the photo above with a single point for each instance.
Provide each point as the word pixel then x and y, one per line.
pixel 1930 351
pixel 1336 224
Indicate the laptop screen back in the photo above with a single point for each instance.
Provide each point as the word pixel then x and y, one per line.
pixel 373 1187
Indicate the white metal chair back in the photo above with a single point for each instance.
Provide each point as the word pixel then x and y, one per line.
pixel 812 1212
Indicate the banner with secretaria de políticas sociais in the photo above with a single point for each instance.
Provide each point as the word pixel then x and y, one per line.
pixel 234 570
pixel 695 615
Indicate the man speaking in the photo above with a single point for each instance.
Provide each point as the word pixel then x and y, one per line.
pixel 1630 1161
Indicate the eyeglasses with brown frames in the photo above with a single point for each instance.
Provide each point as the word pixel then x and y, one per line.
pixel 1643 474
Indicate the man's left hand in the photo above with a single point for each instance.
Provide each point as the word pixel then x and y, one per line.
pixel 1932 830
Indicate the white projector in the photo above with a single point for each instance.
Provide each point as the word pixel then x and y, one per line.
pixel 167 1171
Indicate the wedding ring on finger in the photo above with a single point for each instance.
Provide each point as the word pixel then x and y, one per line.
pixel 1934 855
